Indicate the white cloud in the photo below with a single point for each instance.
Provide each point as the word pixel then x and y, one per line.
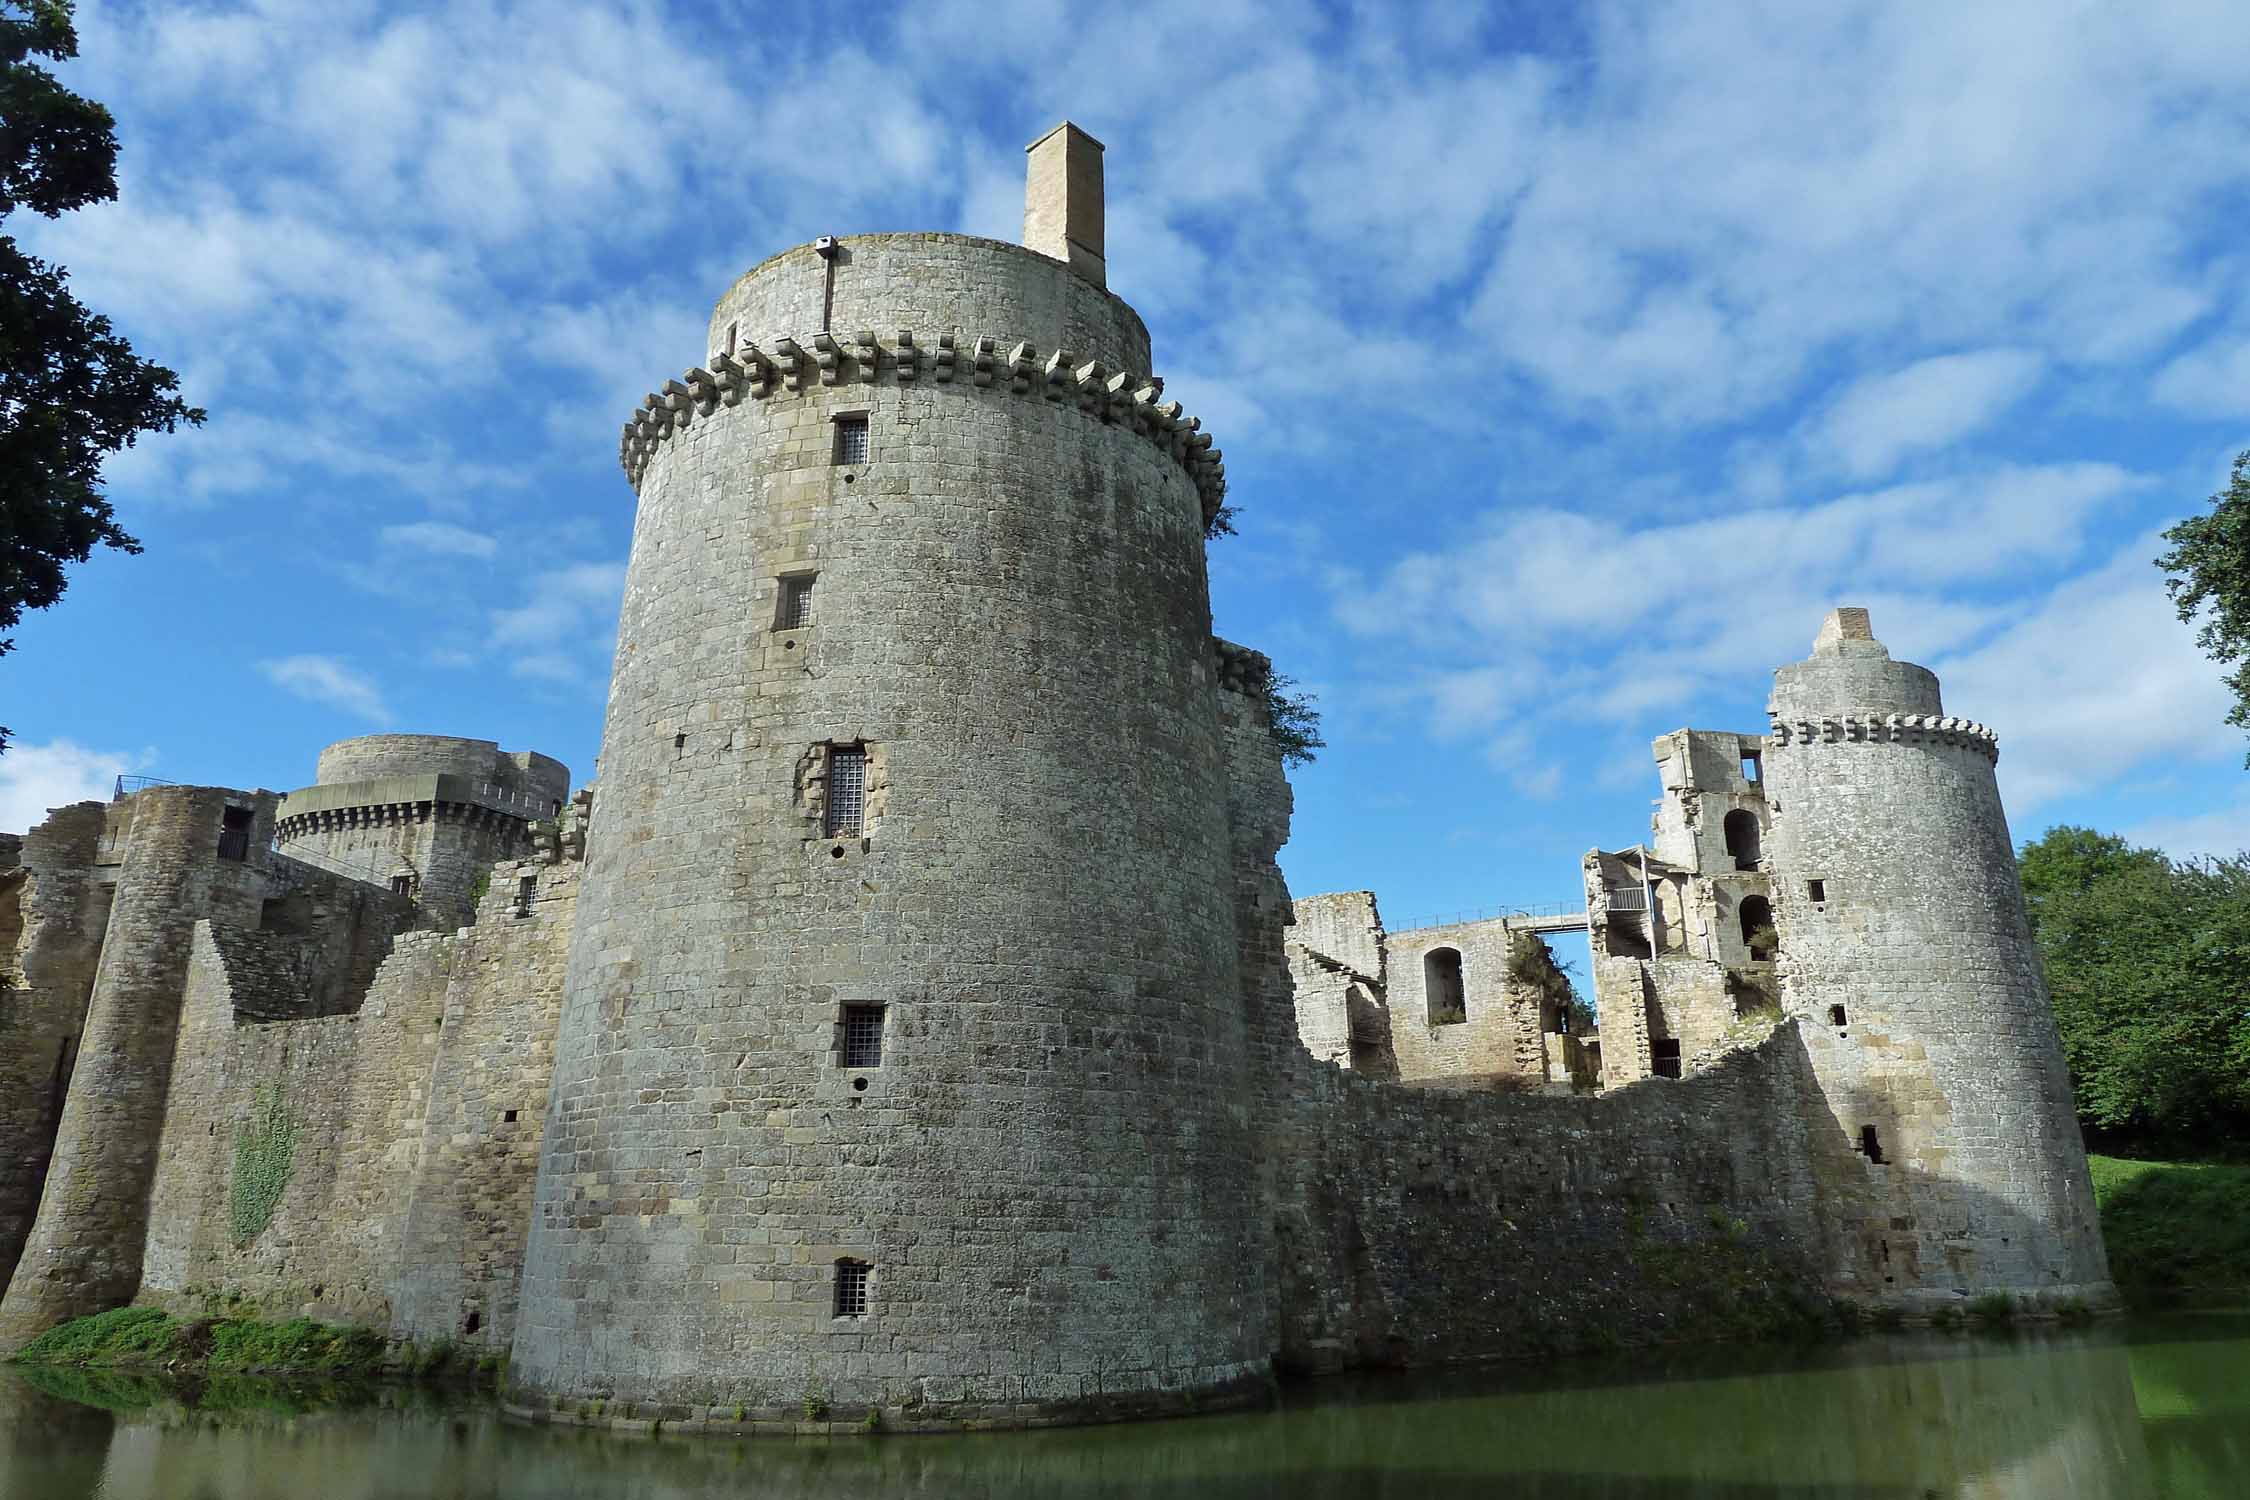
pixel 440 538
pixel 2098 678
pixel 565 634
pixel 2212 379
pixel 35 778
pixel 326 679
pixel 2221 834
pixel 1880 419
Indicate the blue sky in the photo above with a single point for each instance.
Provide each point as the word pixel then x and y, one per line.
pixel 1570 361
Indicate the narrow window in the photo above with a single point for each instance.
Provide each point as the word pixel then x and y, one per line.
pixel 1750 769
pixel 1871 1144
pixel 508 1117
pixel 1835 1015
pixel 795 609
pixel 402 885
pixel 527 886
pixel 1442 989
pixel 847 790
pixel 1664 1056
pixel 1816 891
pixel 234 833
pixel 1741 829
pixel 863 1036
pixel 851 1288
pixel 851 439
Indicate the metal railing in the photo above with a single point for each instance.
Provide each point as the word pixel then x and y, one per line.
pixel 127 785
pixel 1628 898
pixel 1487 914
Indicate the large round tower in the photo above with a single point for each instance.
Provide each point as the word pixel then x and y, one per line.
pixel 902 1058
pixel 1955 1163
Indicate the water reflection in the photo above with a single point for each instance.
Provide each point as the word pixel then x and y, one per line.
pixel 2062 1415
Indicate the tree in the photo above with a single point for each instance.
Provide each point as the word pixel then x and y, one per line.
pixel 2148 961
pixel 1296 722
pixel 71 390
pixel 2210 561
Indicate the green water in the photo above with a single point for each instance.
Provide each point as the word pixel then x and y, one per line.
pixel 2153 1409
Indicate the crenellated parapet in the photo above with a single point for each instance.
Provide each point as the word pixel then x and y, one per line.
pixel 1118 398
pixel 1240 669
pixel 1900 729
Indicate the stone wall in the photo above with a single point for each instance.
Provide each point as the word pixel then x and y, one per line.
pixel 54 910
pixel 415 1119
pixel 84 1250
pixel 1421 1226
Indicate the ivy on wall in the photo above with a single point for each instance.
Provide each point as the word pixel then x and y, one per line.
pixel 264 1148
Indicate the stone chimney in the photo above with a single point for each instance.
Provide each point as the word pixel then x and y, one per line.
pixel 1846 624
pixel 1062 200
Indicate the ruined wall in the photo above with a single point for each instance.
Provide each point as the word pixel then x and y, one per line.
pixel 1335 949
pixel 1499 1033
pixel 84 1250
pixel 54 910
pixel 413 1122
pixel 1431 1225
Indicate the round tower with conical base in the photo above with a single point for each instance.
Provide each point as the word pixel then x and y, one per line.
pixel 1951 1157
pixel 902 1049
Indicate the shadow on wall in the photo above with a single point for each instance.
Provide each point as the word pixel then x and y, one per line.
pixel 1426 1227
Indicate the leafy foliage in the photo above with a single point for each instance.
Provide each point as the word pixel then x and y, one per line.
pixel 71 390
pixel 2177 1232
pixel 1296 722
pixel 2148 960
pixel 2210 561
pixel 264 1150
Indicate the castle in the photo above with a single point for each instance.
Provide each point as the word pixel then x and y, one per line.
pixel 914 1021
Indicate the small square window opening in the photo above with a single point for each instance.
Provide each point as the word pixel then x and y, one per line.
pixel 234 833
pixel 847 791
pixel 402 885
pixel 851 439
pixel 527 887
pixel 795 611
pixel 1816 891
pixel 851 1288
pixel 863 1036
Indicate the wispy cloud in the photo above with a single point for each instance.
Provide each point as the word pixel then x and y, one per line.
pixel 440 538
pixel 328 680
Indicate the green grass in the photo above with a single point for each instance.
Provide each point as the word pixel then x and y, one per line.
pixel 145 1338
pixel 2178 1232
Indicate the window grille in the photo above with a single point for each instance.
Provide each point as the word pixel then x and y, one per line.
pixel 851 1288
pixel 796 603
pixel 402 885
pixel 527 887
pixel 863 1036
pixel 847 790
pixel 851 440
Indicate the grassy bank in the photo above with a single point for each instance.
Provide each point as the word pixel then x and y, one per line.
pixel 2178 1232
pixel 144 1338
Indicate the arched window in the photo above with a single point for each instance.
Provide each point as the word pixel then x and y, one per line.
pixel 1441 987
pixel 1757 928
pixel 1741 827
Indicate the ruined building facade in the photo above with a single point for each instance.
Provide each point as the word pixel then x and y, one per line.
pixel 915 1020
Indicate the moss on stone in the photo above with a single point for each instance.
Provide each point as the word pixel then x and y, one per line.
pixel 265 1148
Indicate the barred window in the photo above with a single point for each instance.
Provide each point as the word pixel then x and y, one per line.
pixel 863 1036
pixel 851 1287
pixel 796 603
pixel 851 439
pixel 847 790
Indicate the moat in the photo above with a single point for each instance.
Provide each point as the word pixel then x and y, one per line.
pixel 2159 1407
